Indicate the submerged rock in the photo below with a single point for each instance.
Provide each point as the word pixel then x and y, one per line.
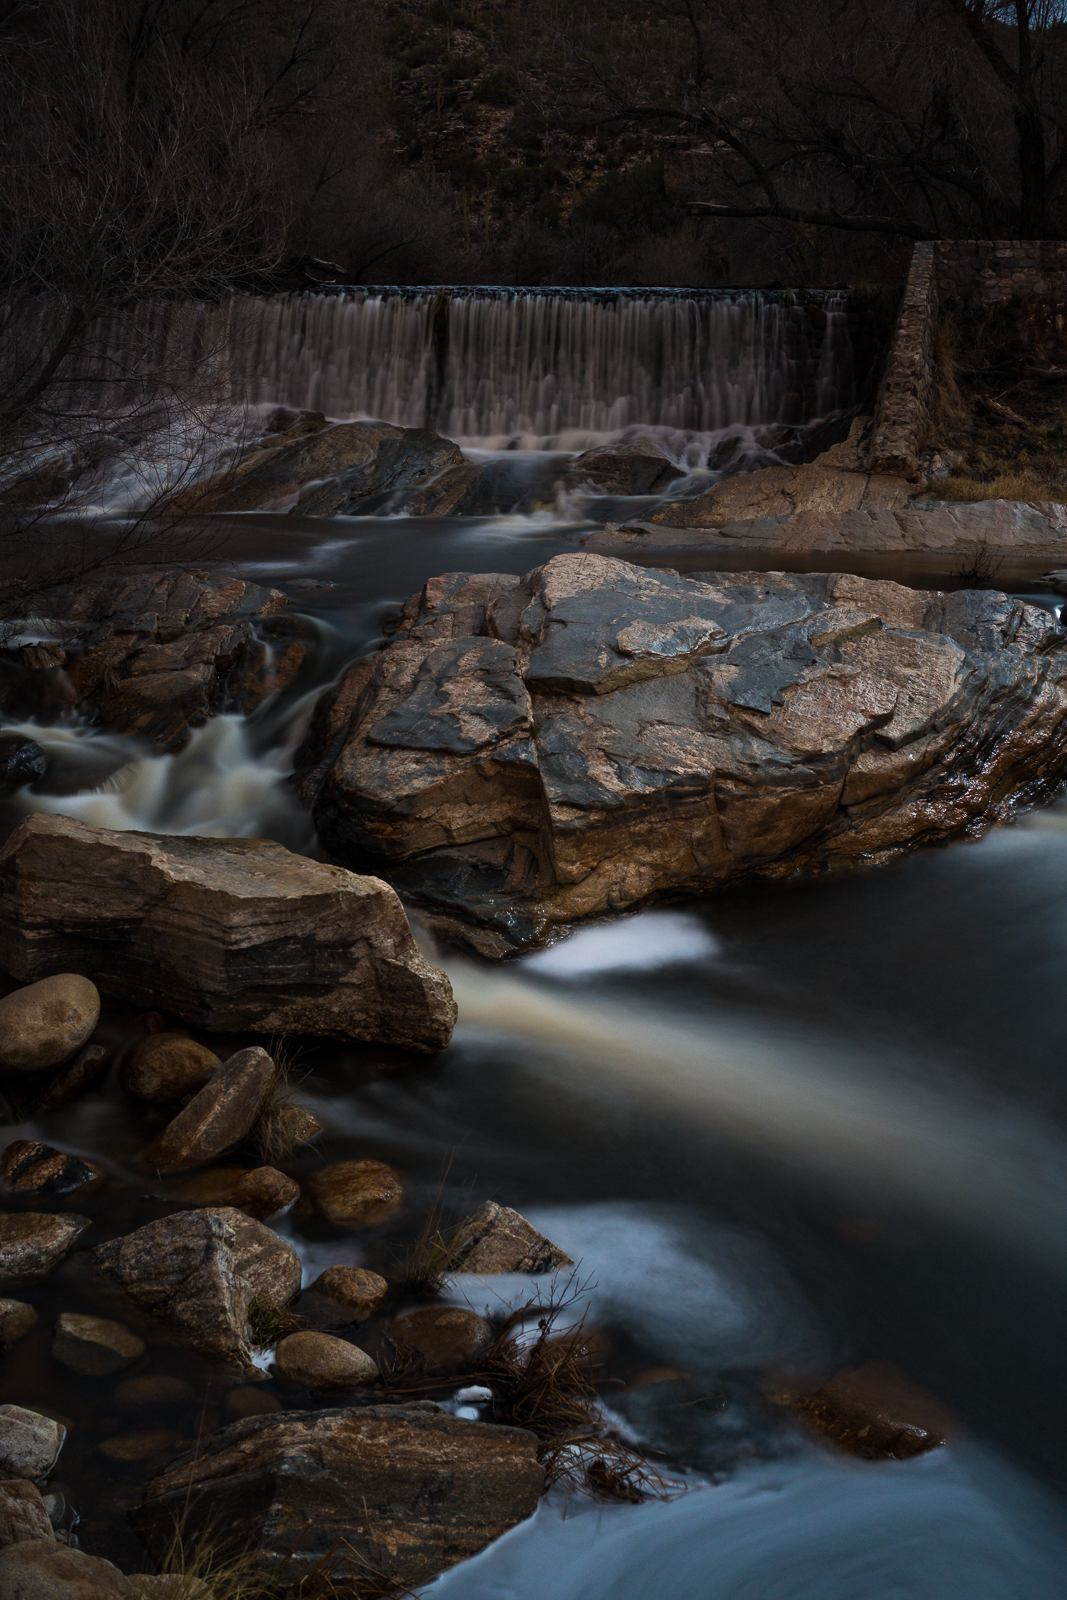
pixel 354 1288
pixel 94 1346
pixel 166 1066
pixel 17 1318
pixel 199 1272
pixel 355 1194
pixel 406 1491
pixel 444 1338
pixel 22 761
pixel 87 1068
pixel 497 1239
pixel 31 1242
pixel 153 653
pixel 29 1442
pixel 47 1022
pixel 259 1192
pixel 875 1411
pixel 228 934
pixel 217 1118
pixel 528 752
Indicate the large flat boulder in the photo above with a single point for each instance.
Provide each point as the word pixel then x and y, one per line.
pixel 229 934
pixel 152 654
pixel 783 491
pixel 331 470
pixel 406 1491
pixel 1008 527
pixel 527 752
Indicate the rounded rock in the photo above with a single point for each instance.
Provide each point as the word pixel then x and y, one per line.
pixel 166 1066
pixel 356 1194
pixel 294 1125
pixel 319 1361
pixel 153 1390
pixel 354 1287
pixel 46 1023
pixel 94 1346
pixel 259 1192
pixel 16 1320
pixel 29 1442
pixel 447 1338
pixel 29 1167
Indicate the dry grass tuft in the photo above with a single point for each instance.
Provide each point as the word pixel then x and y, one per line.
pixel 269 1324
pixel 1008 486
pixel 272 1137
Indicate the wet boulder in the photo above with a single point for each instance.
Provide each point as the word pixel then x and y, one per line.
pixel 29 1443
pixel 166 1066
pixel 23 1513
pixel 320 1361
pixel 217 1118
pixel 228 934
pixel 405 1491
pixel 199 1271
pixel 355 1194
pixel 497 1239
pixel 442 1339
pixel 619 471
pixel 32 1242
pixel 155 653
pixel 351 1290
pixel 22 761
pixel 47 1022
pixel 875 1411
pixel 259 1192
pixel 29 1167
pixel 17 1319
pixel 528 752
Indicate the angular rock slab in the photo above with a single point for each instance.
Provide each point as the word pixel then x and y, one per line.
pixel 230 934
pixel 496 1238
pixel 409 1489
pixel 683 733
pixel 199 1271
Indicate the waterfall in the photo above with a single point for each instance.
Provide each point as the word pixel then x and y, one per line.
pixel 553 367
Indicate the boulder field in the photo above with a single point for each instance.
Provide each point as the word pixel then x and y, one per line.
pixel 580 741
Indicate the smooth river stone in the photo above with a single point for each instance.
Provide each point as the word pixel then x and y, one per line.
pixel 47 1022
pixel 217 1118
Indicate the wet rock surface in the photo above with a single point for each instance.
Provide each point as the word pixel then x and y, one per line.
pixel 29 1442
pixel 875 1411
pixel 259 1192
pixel 408 1490
pixel 320 1361
pixel 31 1242
pixel 166 1066
pixel 47 1022
pixel 17 1318
pixel 87 1068
pixel 355 1194
pixel 29 1167
pixel 496 1238
pixel 442 1338
pixel 527 752
pixel 217 1118
pixel 94 1346
pixel 199 1271
pixel 47 1570
pixel 228 934
pixel 22 761
pixel 23 1513
pixel 148 653
pixel 353 1288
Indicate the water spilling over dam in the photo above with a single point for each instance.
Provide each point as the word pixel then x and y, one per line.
pixel 553 366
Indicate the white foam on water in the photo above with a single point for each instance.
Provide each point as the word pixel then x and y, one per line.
pixel 634 944
pixel 957 1524
pixel 706 1297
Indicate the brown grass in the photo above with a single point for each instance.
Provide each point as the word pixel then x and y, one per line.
pixel 269 1324
pixel 1009 486
pixel 269 1138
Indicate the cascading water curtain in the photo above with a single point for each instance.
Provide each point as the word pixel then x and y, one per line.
pixel 544 367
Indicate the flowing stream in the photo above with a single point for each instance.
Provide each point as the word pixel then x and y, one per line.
pixel 781 1131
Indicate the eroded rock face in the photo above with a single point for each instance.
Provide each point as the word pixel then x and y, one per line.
pixel 23 1513
pixel 408 1490
pixel 782 491
pixel 29 1442
pixel 230 934
pixel 529 752
pixel 199 1271
pixel 325 472
pixel 496 1238
pixel 31 1242
pixel 151 653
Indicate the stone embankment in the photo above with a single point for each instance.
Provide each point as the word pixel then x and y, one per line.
pixel 528 752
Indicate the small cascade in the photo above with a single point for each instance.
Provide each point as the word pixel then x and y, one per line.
pixel 552 368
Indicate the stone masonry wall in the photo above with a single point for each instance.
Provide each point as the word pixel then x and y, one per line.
pixel 1025 279
pixel 901 407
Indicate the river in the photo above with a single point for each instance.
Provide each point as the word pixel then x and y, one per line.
pixel 781 1131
